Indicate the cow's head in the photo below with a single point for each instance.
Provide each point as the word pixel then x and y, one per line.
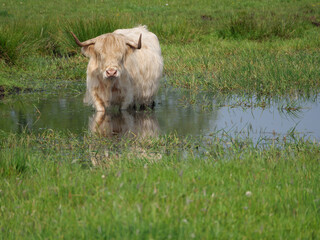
pixel 110 51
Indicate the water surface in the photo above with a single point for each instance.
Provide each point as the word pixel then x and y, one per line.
pixel 173 113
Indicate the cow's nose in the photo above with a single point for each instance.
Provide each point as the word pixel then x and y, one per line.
pixel 111 72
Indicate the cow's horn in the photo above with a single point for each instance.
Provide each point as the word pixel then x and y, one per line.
pixel 139 43
pixel 83 44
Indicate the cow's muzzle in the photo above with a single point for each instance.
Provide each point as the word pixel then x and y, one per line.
pixel 111 72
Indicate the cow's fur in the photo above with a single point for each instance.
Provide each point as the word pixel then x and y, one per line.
pixel 138 71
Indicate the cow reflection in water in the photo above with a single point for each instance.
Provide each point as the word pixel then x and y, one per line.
pixel 131 124
pixel 138 125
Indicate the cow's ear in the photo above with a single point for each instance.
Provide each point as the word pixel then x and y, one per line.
pixel 88 51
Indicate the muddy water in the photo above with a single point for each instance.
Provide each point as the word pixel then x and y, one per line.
pixel 211 115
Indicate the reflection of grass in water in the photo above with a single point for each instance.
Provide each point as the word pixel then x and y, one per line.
pixel 206 102
pixel 156 187
pixel 292 110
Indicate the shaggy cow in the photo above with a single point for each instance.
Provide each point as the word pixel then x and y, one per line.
pixel 124 68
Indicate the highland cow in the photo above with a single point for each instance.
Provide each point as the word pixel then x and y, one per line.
pixel 124 68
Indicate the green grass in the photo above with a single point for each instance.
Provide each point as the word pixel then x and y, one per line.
pixel 265 48
pixel 221 66
pixel 13 43
pixel 49 188
pixel 265 25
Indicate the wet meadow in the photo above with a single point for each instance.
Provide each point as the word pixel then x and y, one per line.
pixel 231 150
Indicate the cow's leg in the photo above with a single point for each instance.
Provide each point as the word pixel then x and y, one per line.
pixel 96 122
pixel 142 107
pixel 134 107
pixel 128 100
pixel 125 105
pixel 107 88
pixel 146 106
pixel 98 102
pixel 153 104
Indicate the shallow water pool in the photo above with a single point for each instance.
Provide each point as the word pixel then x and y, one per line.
pixel 208 115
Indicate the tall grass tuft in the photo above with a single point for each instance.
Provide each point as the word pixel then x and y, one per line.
pixel 13 162
pixel 266 25
pixel 45 38
pixel 174 31
pixel 13 43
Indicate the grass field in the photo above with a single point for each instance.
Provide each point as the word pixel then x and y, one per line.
pixel 150 190
pixel 264 47
pixel 56 185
